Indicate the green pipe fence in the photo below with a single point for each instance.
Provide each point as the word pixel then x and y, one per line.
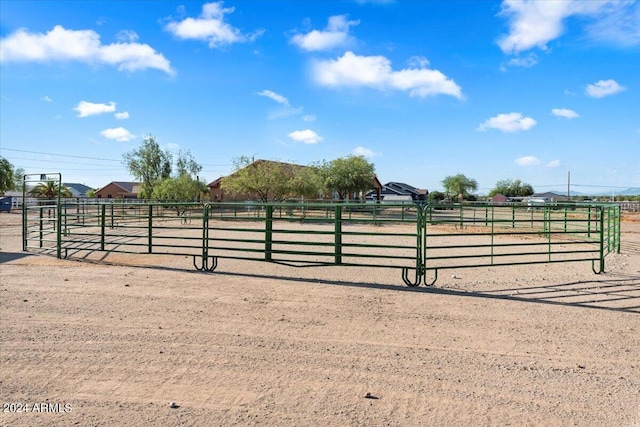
pixel 418 240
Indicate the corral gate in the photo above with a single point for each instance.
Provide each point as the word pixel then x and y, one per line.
pixel 418 240
pixel 41 216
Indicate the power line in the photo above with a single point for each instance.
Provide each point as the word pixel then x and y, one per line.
pixel 59 155
pixel 62 161
pixel 93 158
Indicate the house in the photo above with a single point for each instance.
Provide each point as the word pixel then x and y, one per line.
pixel 499 198
pixel 119 190
pixel 78 190
pixel 399 192
pixel 218 194
pixel 550 197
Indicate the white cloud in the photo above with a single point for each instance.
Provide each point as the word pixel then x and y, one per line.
pixel 418 62
pixel 553 164
pixel 527 161
pixel 335 35
pixel 86 109
pixel 118 134
pixel 363 151
pixel 306 136
pixel 375 71
pixel 60 44
pixel 122 116
pixel 210 27
pixel 275 96
pixel 46 99
pixel 172 147
pixel 284 112
pixel 534 23
pixel 564 112
pixel 509 122
pixel 127 36
pixel 604 88
pixel 619 25
pixel 309 118
pixel 524 62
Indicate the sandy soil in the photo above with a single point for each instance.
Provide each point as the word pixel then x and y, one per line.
pixel 111 343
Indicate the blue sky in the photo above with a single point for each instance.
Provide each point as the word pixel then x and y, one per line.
pixel 527 90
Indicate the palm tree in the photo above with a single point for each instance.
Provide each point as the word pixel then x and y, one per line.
pixel 49 190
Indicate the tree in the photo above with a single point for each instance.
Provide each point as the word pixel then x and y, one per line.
pixel 307 182
pixel 437 196
pixel 7 175
pixel 149 164
pixel 265 179
pixel 184 185
pixel 18 179
pixel 187 165
pixel 511 188
pixel 49 190
pixel 459 185
pixel 183 188
pixel 348 175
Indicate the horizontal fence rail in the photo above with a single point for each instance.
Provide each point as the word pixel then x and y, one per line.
pixel 418 240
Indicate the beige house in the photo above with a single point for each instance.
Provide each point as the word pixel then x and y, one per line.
pixel 119 190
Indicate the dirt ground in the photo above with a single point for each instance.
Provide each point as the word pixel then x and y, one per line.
pixel 114 341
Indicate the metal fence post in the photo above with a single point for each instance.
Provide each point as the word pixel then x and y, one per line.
pixel 548 216
pixel 24 213
pixel 619 218
pixel 492 230
pixel 268 234
pixel 486 214
pixel 59 230
pixel 601 239
pixel 608 230
pixel 421 221
pixel 205 234
pixel 103 214
pixel 338 234
pixel 150 230
pixel 41 224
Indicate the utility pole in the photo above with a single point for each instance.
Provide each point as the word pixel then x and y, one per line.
pixel 568 185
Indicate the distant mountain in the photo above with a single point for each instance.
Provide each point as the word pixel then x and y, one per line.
pixel 633 191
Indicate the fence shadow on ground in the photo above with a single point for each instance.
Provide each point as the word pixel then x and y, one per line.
pixel 605 293
pixel 608 291
pixel 630 247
